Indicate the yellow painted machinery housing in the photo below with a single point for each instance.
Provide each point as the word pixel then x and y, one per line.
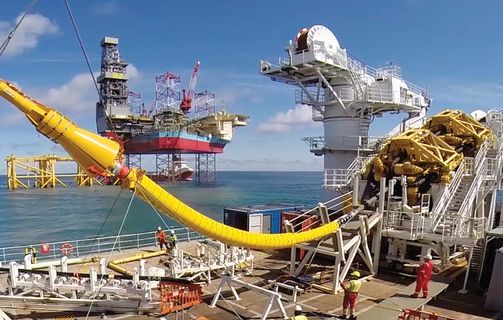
pixel 429 154
pixel 415 152
pixel 459 130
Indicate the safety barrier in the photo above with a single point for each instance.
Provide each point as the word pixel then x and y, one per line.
pixel 85 247
pixel 175 296
pixel 408 314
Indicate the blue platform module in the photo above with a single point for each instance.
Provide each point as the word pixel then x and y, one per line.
pixel 264 218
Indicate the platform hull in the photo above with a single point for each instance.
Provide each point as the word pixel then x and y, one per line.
pixel 174 142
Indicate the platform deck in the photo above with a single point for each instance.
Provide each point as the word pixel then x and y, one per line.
pixel 391 307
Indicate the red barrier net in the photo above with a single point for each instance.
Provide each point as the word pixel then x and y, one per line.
pixel 408 314
pixel 178 296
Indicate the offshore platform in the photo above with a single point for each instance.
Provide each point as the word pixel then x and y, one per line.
pixel 168 129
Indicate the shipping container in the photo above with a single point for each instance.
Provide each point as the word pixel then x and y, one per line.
pixel 264 218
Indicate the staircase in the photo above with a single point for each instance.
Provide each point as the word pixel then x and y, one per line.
pixel 356 73
pixel 452 217
pixel 476 264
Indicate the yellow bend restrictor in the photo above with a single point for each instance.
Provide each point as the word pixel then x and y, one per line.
pixel 178 210
pixel 99 155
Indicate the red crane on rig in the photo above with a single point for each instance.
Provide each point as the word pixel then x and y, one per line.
pixel 189 94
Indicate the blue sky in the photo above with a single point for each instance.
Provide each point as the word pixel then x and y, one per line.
pixel 453 48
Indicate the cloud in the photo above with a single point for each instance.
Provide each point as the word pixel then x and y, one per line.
pixel 28 145
pixel 107 8
pixel 301 115
pixel 12 119
pixel 27 36
pixel 133 72
pixel 78 96
pixel 314 164
pixel 470 95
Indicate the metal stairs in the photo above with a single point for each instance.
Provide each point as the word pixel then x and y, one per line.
pixel 451 215
pixel 356 73
pixel 476 263
pixel 457 223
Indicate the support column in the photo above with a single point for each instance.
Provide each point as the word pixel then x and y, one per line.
pixel 492 211
pixel 293 257
pixel 356 188
pixel 467 272
pixel 378 230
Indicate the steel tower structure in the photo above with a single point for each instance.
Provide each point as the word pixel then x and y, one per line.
pixel 113 109
pixel 345 94
pixel 206 163
pixel 167 92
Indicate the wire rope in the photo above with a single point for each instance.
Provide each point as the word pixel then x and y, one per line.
pixel 81 43
pixel 7 40
pixel 111 252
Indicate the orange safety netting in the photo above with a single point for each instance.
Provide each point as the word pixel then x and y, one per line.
pixel 178 296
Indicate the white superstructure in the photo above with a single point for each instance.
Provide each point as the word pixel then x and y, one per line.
pixel 344 93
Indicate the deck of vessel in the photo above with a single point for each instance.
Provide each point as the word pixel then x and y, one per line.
pixel 381 297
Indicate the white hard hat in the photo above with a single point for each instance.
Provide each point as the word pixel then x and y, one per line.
pixel 172 231
pixel 428 256
pixel 159 228
pixel 298 308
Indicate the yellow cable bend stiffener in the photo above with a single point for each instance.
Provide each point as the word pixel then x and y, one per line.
pixel 178 210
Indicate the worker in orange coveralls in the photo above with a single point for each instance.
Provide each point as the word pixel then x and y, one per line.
pixel 161 238
pixel 351 289
pixel 423 277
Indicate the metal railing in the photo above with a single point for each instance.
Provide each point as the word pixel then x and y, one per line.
pixel 478 169
pixel 337 178
pixel 458 229
pixel 341 202
pixel 377 94
pixel 94 246
pixel 412 223
pixel 448 194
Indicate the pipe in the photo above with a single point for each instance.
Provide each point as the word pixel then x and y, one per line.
pixel 136 257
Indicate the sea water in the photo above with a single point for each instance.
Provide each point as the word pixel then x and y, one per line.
pixel 47 215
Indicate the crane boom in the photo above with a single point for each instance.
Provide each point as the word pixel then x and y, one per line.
pixel 189 94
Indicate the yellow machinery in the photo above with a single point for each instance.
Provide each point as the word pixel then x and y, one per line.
pixel 429 154
pixel 459 130
pixel 414 152
pixel 100 156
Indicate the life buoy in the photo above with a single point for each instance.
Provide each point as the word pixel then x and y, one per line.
pixel 66 249
pixel 45 248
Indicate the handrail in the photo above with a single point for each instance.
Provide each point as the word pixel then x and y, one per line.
pixel 342 177
pixel 480 167
pixel 98 245
pixel 447 196
pixel 327 204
